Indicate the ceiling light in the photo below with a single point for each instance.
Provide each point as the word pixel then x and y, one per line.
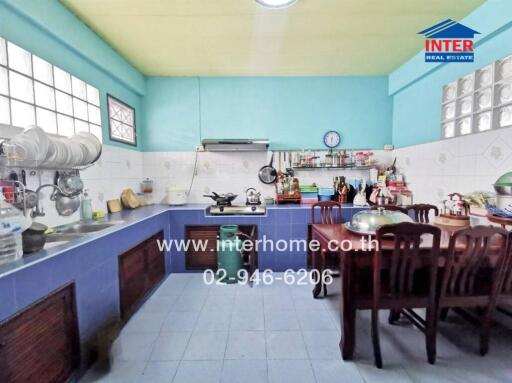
pixel 276 3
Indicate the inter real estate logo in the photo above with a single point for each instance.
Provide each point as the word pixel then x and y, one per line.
pixel 449 41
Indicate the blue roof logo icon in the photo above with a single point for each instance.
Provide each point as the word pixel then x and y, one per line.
pixel 449 29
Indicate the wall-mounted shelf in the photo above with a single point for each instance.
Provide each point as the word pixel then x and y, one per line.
pixel 336 159
pixel 334 167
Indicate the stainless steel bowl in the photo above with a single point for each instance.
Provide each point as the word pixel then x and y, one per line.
pixel 368 221
pixel 503 189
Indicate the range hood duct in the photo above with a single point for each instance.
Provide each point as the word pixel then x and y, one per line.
pixel 235 145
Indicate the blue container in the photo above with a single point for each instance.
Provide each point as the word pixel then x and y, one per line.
pixel 309 195
pixel 326 191
pixel 325 198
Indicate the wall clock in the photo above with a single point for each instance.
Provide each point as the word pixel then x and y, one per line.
pixel 332 139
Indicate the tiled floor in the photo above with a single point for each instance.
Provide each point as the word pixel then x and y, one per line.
pixel 188 332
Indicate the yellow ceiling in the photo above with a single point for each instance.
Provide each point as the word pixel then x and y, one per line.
pixel 241 38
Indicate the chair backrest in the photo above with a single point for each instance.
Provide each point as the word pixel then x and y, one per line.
pixel 330 212
pixel 475 262
pixel 506 288
pixel 422 211
pixel 407 257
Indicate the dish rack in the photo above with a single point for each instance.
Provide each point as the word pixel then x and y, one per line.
pixel 13 163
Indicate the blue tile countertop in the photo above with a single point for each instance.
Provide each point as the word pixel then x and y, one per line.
pixel 129 217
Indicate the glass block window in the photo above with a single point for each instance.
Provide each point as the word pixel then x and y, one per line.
pixel 35 92
pixel 122 121
pixel 479 101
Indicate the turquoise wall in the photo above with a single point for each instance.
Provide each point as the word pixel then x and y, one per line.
pixel 416 87
pixel 293 112
pixel 50 31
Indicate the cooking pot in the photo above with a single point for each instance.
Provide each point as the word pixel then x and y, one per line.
pixel 222 199
pixel 176 196
pixel 503 185
pixel 368 221
pixel 34 238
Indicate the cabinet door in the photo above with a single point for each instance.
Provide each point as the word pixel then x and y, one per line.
pixel 199 258
pixel 132 279
pixel 41 344
pixel 155 262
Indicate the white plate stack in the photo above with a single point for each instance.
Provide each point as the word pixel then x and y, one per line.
pixel 35 148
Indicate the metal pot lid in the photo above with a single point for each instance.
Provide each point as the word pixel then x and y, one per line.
pixel 504 180
pixel 368 221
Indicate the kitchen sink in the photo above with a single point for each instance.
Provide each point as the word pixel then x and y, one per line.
pixel 84 228
pixel 77 230
pixel 62 237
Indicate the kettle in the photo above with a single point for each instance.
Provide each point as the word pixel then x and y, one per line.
pixel 252 197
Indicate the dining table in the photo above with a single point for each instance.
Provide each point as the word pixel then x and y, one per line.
pixel 354 254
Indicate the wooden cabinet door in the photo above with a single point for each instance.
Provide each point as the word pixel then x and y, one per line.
pixel 197 258
pixel 155 262
pixel 140 270
pixel 41 344
pixel 132 279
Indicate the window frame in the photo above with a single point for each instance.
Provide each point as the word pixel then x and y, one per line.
pixel 497 80
pixel 116 139
pixel 35 81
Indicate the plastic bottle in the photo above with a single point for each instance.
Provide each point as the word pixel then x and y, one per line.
pixel 86 207
pixel 11 247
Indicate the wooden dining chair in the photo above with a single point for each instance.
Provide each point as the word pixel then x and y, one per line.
pixel 473 274
pixel 327 212
pixel 505 289
pixel 422 212
pixel 405 277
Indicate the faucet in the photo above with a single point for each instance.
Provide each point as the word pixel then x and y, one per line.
pixel 38 211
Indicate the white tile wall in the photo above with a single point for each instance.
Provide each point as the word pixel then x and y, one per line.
pixel 226 172
pixel 220 172
pixel 463 164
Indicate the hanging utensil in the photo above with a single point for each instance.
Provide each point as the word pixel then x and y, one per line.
pixel 70 183
pixel 64 204
pixel 267 174
pixel 30 195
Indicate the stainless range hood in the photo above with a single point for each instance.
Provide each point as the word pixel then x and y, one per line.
pixel 235 145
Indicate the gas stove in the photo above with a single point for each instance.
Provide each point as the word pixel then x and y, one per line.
pixel 236 210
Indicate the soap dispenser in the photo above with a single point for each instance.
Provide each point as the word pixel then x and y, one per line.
pixel 86 207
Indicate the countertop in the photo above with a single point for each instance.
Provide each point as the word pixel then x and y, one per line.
pixel 201 206
pixel 129 217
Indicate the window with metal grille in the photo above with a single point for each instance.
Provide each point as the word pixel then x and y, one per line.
pixel 121 119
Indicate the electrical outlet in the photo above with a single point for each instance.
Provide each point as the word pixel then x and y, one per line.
pixel 199 148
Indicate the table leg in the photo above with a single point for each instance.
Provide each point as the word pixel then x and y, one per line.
pixel 314 265
pixel 347 311
pixel 318 283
